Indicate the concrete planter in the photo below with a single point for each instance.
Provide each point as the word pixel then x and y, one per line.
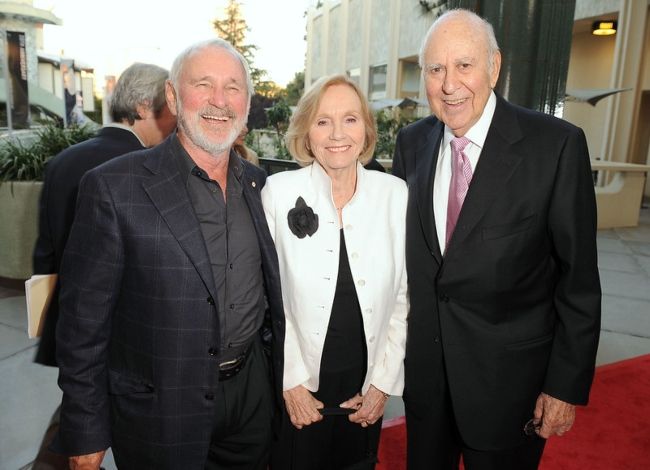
pixel 18 227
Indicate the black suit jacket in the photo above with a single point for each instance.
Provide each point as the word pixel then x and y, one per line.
pixel 58 199
pixel 514 304
pixel 138 317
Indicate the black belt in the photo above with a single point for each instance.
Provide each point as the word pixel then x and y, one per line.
pixel 229 369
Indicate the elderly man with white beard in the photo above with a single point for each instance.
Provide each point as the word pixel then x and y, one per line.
pixel 170 289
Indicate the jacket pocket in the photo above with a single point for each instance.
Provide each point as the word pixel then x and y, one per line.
pixel 503 230
pixel 530 343
pixel 120 384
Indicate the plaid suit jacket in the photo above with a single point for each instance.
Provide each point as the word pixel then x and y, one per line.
pixel 137 315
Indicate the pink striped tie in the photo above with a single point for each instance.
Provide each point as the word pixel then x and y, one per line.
pixel 461 176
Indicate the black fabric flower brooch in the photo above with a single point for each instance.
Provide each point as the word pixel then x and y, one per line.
pixel 302 219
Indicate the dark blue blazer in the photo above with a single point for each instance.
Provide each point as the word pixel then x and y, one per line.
pixel 138 316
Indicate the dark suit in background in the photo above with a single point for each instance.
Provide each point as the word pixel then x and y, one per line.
pixel 57 209
pixel 503 323
pixel 141 118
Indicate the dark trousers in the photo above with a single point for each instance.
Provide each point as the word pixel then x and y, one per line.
pixel 433 440
pixel 334 443
pixel 241 437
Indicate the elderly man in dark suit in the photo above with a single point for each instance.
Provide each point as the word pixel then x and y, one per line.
pixel 166 281
pixel 141 119
pixel 501 259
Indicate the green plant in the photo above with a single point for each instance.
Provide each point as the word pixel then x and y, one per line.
pixel 252 141
pixel 26 162
pixel 278 116
pixel 389 122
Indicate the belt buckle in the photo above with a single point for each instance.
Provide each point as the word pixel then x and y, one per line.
pixel 232 367
pixel 232 362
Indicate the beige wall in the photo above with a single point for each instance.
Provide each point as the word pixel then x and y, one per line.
pixel 592 8
pixel 335 44
pixel 354 35
pixel 359 34
pixel 590 66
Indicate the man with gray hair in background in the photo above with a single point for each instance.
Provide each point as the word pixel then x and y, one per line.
pixel 170 286
pixel 141 119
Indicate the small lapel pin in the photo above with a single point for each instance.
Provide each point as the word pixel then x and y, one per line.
pixel 253 183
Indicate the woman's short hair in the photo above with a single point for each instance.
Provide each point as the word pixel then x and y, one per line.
pixel 297 138
pixel 139 85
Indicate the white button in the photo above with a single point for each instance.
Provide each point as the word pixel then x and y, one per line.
pixel 368 310
pixel 361 282
pixel 354 255
pixel 348 227
pixel 371 339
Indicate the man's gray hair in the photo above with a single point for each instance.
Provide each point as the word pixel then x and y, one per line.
pixel 217 43
pixel 476 21
pixel 139 85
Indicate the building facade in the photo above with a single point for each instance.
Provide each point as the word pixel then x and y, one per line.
pixel 47 75
pixel 377 42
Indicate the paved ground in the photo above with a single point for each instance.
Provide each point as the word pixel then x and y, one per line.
pixel 29 394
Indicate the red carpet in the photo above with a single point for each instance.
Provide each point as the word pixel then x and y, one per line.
pixel 612 433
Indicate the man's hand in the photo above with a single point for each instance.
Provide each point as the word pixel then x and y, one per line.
pixel 369 407
pixel 302 407
pixel 86 462
pixel 556 416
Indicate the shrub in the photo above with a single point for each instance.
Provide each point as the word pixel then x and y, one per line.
pixel 26 162
pixel 389 122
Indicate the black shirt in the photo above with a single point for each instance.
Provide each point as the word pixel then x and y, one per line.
pixel 233 250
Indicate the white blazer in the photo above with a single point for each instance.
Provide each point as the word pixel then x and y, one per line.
pixel 374 224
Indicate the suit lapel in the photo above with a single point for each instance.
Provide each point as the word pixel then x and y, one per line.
pixel 426 158
pixel 251 190
pixel 496 165
pixel 167 191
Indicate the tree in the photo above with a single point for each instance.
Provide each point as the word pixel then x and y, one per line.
pixel 233 29
pixel 278 116
pixel 269 89
pixel 257 116
pixel 295 88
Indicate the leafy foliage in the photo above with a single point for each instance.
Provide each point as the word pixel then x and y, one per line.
pixel 257 116
pixel 295 88
pixel 278 116
pixel 389 122
pixel 269 89
pixel 26 162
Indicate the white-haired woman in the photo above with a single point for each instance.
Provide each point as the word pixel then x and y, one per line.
pixel 339 231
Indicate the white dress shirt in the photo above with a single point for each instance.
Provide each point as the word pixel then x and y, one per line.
pixel 126 128
pixel 477 135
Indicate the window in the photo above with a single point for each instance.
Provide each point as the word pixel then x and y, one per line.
pixel 409 79
pixel 377 83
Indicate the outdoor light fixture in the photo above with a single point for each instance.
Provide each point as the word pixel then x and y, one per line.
pixel 603 28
